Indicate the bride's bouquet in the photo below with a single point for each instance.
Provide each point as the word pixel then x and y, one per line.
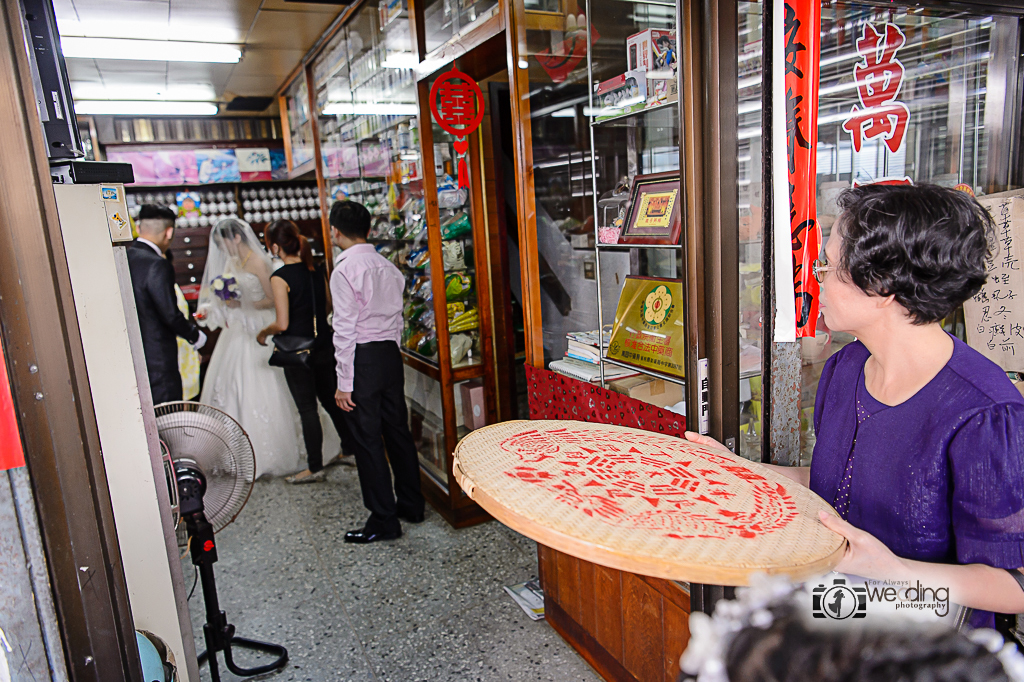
pixel 225 288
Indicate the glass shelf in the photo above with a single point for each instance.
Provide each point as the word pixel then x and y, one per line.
pixel 627 247
pixel 658 116
pixel 648 372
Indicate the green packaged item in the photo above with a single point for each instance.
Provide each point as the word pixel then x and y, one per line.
pixel 457 285
pixel 456 226
pixel 427 345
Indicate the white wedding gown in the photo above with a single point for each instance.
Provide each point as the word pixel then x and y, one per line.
pixel 240 382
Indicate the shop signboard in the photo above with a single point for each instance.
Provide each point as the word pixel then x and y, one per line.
pixel 648 328
pixel 994 317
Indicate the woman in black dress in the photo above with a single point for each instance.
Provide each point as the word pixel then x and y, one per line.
pixel 301 303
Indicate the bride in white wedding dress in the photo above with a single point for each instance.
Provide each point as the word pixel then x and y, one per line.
pixel 238 380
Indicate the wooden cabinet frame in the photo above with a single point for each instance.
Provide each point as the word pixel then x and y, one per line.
pixel 645 609
pixel 476 52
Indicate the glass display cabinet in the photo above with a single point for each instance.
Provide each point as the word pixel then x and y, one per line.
pixel 445 21
pixel 600 113
pixel 374 150
pixel 298 126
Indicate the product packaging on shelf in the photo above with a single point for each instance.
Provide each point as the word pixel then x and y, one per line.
pixel 474 415
pixel 651 50
pixel 622 94
pixel 453 254
pixel 457 286
pixel 456 226
pixel 464 322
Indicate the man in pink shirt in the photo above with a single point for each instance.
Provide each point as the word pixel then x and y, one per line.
pixel 367 291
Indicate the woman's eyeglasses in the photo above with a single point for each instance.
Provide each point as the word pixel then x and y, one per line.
pixel 820 267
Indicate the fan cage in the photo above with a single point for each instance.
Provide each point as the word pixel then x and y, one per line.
pixel 219 446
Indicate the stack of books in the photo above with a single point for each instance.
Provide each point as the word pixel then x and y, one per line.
pixel 582 361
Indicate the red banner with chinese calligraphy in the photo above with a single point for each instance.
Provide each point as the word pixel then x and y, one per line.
pixel 802 48
pixel 12 455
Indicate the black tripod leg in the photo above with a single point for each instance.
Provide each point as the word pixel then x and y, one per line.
pixel 219 634
pixel 211 652
pixel 253 645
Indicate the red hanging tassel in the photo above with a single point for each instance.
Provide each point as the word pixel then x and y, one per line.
pixel 461 148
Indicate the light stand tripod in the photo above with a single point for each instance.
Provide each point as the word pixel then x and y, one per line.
pixel 219 634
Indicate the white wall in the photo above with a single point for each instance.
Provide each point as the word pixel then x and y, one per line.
pixel 149 570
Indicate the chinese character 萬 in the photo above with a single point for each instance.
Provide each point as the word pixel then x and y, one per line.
pixel 879 77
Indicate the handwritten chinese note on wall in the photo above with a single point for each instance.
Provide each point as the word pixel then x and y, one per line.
pixel 995 316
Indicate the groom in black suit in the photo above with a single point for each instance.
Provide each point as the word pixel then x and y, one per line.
pixel 155 302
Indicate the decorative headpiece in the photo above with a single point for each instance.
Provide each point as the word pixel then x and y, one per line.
pixel 711 636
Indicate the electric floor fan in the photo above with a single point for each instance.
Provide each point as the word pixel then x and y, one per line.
pixel 210 467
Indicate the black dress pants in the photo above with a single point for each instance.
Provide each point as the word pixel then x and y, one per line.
pixel 308 386
pixel 165 386
pixel 381 419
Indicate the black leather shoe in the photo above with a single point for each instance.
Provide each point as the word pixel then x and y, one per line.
pixel 365 537
pixel 412 518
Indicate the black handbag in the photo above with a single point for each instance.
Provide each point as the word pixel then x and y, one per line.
pixel 295 351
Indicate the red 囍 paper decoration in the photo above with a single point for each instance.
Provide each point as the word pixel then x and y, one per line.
pixel 458 107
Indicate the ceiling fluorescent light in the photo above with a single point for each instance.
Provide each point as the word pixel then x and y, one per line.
pixel 370 109
pixel 148 50
pixel 125 108
pixel 568 112
pixel 175 92
pixel 205 31
pixel 401 60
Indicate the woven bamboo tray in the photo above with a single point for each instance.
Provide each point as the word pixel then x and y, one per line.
pixel 646 503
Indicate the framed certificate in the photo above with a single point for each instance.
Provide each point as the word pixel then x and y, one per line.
pixel 654 210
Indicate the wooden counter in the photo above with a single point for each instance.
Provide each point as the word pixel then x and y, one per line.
pixel 629 627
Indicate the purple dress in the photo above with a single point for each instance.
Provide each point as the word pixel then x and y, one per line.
pixel 938 478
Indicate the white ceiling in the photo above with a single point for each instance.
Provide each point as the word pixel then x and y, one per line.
pixel 274 36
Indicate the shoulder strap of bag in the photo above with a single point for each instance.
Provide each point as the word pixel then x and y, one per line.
pixel 312 287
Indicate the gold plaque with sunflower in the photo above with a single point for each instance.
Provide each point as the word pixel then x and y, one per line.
pixel 648 328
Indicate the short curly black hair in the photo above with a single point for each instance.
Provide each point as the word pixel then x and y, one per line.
pixel 925 245
pixel 350 218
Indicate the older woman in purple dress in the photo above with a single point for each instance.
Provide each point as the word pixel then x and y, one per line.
pixel 920 438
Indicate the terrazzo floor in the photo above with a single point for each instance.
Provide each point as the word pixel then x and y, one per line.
pixel 429 606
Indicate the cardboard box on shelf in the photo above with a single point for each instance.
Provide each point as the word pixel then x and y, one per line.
pixel 621 94
pixel 651 50
pixel 474 412
pixel 662 90
pixel 657 392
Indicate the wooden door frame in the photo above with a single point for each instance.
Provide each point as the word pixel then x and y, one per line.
pixel 50 386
